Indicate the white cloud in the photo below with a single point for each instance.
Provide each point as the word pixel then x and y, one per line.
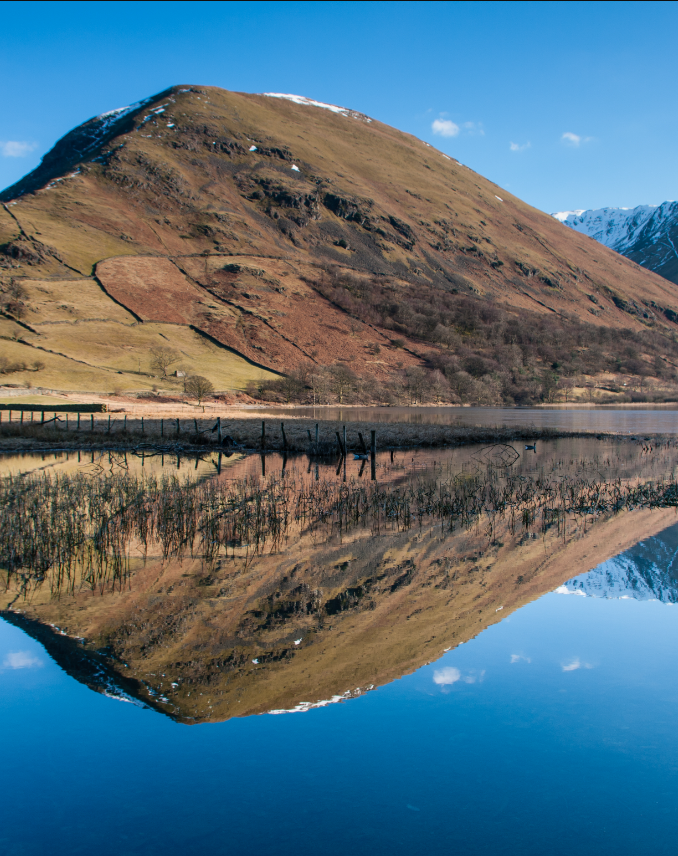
pixel 571 139
pixel 576 664
pixel 566 590
pixel 450 675
pixel 474 128
pixel 574 140
pixel 517 147
pixel 21 660
pixel 16 149
pixel 445 128
pixel 516 658
pixel 445 677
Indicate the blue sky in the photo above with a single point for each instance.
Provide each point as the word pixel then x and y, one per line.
pixel 567 105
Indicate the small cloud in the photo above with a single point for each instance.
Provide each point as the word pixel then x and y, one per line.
pixel 450 675
pixel 445 128
pixel 474 128
pixel 571 139
pixel 16 149
pixel 518 147
pixel 566 590
pixel 21 660
pixel 574 140
pixel 576 664
pixel 516 658
pixel 445 677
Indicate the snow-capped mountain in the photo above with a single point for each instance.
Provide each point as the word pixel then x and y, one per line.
pixel 647 234
pixel 648 571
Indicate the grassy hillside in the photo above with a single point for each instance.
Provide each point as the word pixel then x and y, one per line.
pixel 313 244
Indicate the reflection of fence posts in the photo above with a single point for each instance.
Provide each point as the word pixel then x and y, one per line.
pixel 363 447
pixel 342 451
pixel 91 421
pixel 178 430
pixel 219 438
pixel 263 436
pixel 373 454
pixel 316 435
pixel 284 438
pixel 345 446
pixel 142 425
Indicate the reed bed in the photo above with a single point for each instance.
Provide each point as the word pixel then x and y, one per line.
pixel 83 530
pixel 296 435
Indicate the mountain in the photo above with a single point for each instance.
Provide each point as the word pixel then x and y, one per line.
pixel 316 623
pixel 648 571
pixel 264 234
pixel 646 234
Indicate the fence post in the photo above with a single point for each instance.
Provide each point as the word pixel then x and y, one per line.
pixel 21 421
pixel 43 419
pixel 142 425
pixel 219 437
pixel 178 430
pixel 162 427
pixel 316 434
pixel 373 454
pixel 91 421
pixel 195 425
pixel 345 446
pixel 263 436
pixel 124 424
pixel 109 423
pixel 43 416
pixel 282 429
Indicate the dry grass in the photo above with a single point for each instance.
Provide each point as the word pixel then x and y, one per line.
pixel 113 429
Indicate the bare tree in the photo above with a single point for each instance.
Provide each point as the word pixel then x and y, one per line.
pixel 198 387
pixel 162 358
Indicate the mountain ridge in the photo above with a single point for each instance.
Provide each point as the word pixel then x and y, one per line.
pixel 646 234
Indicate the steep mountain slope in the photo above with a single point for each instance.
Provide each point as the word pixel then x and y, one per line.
pixel 290 234
pixel 645 572
pixel 647 234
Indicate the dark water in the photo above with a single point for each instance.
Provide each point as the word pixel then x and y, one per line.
pixel 548 726
pixel 648 419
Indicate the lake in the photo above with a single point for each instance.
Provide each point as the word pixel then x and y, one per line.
pixel 633 419
pixel 384 683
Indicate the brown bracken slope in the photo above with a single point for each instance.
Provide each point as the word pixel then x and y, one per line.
pixel 229 213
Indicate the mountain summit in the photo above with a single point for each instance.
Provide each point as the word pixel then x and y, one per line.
pixel 646 234
pixel 287 234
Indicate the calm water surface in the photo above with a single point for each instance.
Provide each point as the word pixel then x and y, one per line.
pixel 550 731
pixel 658 419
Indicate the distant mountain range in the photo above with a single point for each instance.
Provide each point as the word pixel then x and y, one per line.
pixel 647 234
pixel 648 571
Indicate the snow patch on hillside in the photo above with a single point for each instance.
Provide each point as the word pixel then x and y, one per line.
pixel 310 102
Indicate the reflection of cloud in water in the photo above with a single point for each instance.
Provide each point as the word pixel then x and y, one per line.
pixel 566 590
pixel 575 664
pixel 516 658
pixel 21 660
pixel 450 675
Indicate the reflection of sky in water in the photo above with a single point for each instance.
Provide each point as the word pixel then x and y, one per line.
pixel 552 732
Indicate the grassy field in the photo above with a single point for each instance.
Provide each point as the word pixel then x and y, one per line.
pixel 90 343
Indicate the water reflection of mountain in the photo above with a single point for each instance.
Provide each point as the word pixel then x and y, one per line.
pixel 313 623
pixel 648 571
